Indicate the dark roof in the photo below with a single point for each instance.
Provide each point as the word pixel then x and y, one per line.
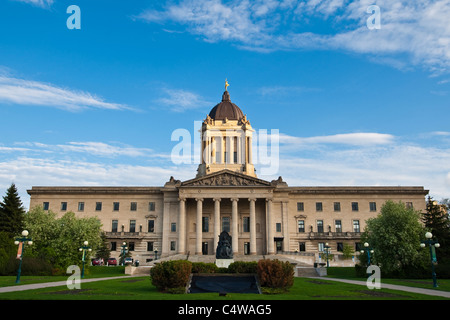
pixel 226 109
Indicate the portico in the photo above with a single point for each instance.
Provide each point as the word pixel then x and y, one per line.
pixel 238 204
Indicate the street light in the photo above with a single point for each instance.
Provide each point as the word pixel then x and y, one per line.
pixel 156 253
pixel 84 248
pixel 432 244
pixel 21 243
pixel 368 250
pixel 123 252
pixel 326 249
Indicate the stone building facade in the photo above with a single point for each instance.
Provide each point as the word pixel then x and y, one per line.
pixel 263 217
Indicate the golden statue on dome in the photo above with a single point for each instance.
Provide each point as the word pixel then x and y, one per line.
pixel 226 85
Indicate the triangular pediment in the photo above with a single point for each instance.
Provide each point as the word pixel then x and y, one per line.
pixel 226 178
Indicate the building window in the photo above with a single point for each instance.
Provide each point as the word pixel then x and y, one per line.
pixel 173 227
pixel 278 227
pixel 116 206
pixel 151 225
pixel 173 245
pixel 301 225
pixel 301 246
pixel 355 206
pixel 149 246
pixel 151 206
pixel 226 224
pixel 321 246
pixel 80 206
pixel 63 206
pixel 132 225
pixel 130 246
pixel 205 224
pixel 133 206
pixel 338 225
pixel 300 206
pixel 46 205
pixel 113 246
pixel 114 225
pixel 372 206
pixel 356 226
pixel 340 247
pixel 246 224
pixel 98 206
pixel 337 206
pixel 319 206
pixel 320 226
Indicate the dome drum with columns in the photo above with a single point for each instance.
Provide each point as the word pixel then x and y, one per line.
pixel 226 140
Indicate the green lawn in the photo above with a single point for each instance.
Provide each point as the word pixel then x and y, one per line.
pixel 140 288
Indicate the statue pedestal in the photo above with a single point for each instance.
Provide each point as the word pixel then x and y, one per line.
pixel 224 263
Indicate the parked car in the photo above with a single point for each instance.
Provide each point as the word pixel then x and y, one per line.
pixel 97 262
pixel 128 261
pixel 112 262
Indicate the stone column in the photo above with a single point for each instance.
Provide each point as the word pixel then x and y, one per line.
pixel 216 222
pixel 285 215
pixel 269 213
pixel 252 226
pixel 198 243
pixel 234 225
pixel 182 227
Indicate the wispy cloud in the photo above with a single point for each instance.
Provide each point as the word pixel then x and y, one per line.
pixel 412 31
pixel 39 3
pixel 34 93
pixel 354 139
pixel 179 100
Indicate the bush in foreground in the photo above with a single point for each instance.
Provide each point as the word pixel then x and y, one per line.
pixel 171 276
pixel 275 275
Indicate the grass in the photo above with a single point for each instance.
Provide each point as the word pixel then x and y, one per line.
pixel 349 273
pixel 92 272
pixel 140 288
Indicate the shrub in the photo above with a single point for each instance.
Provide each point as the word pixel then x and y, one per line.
pixel 275 274
pixel 202 267
pixel 242 267
pixel 171 276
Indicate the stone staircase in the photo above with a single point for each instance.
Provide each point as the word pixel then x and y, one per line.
pixel 301 269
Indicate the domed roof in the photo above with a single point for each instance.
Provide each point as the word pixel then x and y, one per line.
pixel 226 109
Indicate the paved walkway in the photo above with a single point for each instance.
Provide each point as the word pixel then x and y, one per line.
pixel 430 292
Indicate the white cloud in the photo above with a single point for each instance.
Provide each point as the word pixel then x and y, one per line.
pixel 38 3
pixel 25 92
pixel 179 100
pixel 355 139
pixel 418 29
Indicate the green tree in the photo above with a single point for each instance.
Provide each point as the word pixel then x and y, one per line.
pixel 395 236
pixel 436 220
pixel 11 212
pixel 57 240
pixel 103 251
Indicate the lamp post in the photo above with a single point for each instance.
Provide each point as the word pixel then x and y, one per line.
pixel 21 241
pixel 432 244
pixel 368 251
pixel 84 248
pixel 326 249
pixel 156 253
pixel 123 252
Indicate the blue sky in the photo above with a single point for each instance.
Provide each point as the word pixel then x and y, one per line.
pixel 98 105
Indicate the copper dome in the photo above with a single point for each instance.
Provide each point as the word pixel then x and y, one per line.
pixel 226 109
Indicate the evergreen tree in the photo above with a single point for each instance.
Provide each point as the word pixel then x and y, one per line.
pixel 436 220
pixel 12 212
